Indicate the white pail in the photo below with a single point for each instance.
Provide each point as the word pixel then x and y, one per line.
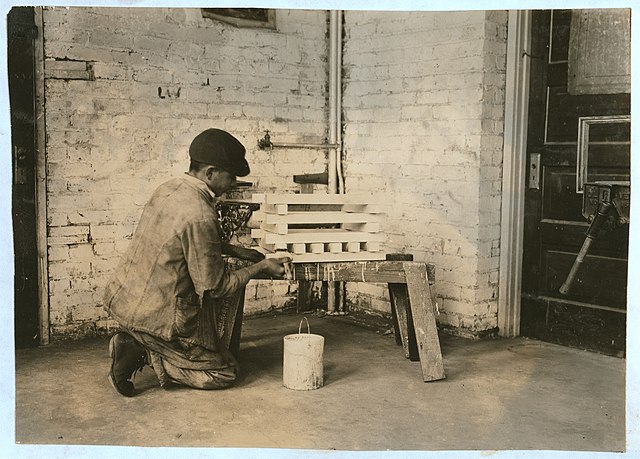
pixel 302 367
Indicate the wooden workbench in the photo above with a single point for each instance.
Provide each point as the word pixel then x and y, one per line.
pixel 411 304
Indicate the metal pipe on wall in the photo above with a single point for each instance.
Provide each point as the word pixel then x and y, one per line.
pixel 333 100
pixel 339 103
pixel 341 188
pixel 334 168
pixel 335 64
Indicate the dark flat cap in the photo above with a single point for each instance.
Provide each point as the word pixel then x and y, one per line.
pixel 221 149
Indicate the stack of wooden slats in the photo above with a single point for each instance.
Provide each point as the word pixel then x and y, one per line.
pixel 320 227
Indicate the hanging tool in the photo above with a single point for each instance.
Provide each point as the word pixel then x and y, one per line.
pixel 606 205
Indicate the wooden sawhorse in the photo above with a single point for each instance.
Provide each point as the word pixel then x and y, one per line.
pixel 411 304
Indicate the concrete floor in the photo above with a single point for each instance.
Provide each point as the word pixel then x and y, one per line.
pixel 499 394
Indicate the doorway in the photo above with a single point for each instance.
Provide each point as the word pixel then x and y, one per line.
pixel 593 314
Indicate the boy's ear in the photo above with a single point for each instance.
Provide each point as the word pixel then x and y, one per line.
pixel 210 171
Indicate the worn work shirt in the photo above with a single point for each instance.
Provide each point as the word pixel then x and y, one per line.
pixel 174 258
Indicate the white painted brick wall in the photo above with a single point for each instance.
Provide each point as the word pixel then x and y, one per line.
pixel 423 113
pixel 423 105
pixel 161 77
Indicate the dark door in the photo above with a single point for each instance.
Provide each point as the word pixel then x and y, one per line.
pixel 593 314
pixel 20 57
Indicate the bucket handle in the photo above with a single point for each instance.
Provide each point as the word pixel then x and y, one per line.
pixel 300 327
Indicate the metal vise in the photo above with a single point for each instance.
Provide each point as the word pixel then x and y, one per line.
pixel 606 206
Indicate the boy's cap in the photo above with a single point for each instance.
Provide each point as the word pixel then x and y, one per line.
pixel 219 148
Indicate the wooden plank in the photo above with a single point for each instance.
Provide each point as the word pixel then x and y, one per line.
pixel 362 271
pixel 328 257
pixel 321 218
pixel 283 209
pixel 399 304
pixel 399 317
pixel 280 228
pixel 297 235
pixel 317 198
pixel 320 178
pixel 278 209
pixel 424 321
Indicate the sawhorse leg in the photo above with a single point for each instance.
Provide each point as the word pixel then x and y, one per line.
pixel 403 320
pixel 413 309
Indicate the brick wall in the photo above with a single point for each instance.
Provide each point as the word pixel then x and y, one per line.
pixel 423 112
pixel 126 91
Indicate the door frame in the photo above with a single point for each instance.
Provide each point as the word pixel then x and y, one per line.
pixel 41 180
pixel 514 170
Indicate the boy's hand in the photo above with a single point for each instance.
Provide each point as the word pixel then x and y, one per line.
pixel 274 267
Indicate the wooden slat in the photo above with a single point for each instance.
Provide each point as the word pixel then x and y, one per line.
pixel 399 308
pixel 399 304
pixel 280 228
pixel 283 209
pixel 321 218
pixel 316 198
pixel 279 209
pixel 328 257
pixel 295 236
pixel 424 321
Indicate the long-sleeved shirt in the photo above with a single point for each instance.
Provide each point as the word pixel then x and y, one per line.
pixel 175 256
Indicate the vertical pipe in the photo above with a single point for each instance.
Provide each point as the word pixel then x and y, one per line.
pixel 334 110
pixel 333 100
pixel 41 181
pixel 340 287
pixel 339 103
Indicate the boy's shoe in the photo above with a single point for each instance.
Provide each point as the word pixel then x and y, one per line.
pixel 127 358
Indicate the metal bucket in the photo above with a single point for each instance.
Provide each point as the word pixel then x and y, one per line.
pixel 302 367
